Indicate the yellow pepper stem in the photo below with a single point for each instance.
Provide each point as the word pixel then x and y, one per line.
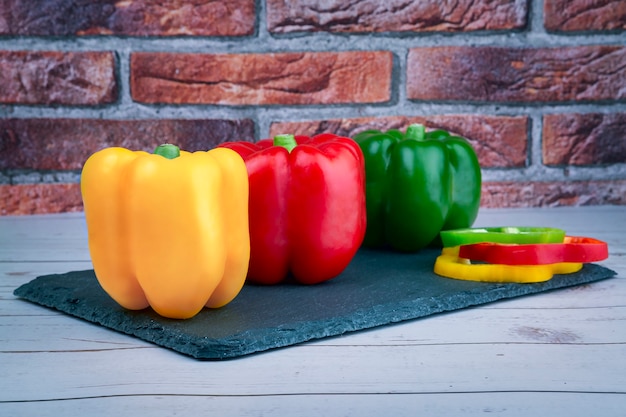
pixel 167 150
pixel 286 141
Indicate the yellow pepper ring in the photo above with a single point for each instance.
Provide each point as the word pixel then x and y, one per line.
pixel 449 265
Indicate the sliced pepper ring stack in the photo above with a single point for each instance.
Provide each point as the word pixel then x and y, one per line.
pixel 514 254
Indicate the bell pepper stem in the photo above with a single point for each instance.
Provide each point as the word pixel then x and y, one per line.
pixel 167 150
pixel 286 141
pixel 415 131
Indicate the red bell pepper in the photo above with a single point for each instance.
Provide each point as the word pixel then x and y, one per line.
pixel 306 206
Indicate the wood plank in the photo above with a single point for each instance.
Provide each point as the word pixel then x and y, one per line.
pixel 510 404
pixel 320 370
pixel 37 238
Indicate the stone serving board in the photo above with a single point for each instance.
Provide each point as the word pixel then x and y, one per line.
pixel 377 288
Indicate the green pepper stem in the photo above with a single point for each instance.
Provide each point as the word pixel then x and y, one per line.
pixel 415 131
pixel 167 150
pixel 286 141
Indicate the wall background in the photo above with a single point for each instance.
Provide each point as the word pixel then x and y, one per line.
pixel 537 86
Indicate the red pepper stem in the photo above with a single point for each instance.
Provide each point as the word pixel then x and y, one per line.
pixel 167 150
pixel 286 141
pixel 415 131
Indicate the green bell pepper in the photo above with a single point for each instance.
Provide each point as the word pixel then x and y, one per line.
pixel 418 183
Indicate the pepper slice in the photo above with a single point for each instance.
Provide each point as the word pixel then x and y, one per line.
pixel 509 234
pixel 573 249
pixel 450 265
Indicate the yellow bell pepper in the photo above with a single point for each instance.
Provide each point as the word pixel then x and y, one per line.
pixel 449 265
pixel 168 233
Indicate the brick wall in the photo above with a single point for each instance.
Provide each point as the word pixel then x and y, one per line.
pixel 537 86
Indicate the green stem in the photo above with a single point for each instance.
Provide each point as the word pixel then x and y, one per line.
pixel 167 150
pixel 286 141
pixel 415 131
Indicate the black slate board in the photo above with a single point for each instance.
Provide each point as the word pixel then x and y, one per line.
pixel 377 288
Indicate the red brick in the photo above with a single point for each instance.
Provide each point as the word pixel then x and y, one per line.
pixel 584 139
pixel 50 77
pixel 65 144
pixel 40 198
pixel 394 16
pixel 551 194
pixel 131 18
pixel 584 15
pixel 498 74
pixel 499 141
pixel 251 79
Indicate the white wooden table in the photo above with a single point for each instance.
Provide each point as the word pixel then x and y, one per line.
pixel 561 353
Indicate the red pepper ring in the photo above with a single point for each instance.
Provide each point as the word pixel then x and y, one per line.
pixel 573 249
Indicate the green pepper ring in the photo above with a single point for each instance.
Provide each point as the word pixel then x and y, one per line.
pixel 507 234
